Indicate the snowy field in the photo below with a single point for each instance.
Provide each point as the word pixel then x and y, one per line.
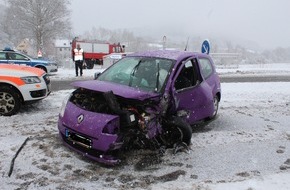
pixel 246 148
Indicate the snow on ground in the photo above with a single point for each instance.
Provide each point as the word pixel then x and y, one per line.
pixel 246 147
pixel 255 69
pixel 69 73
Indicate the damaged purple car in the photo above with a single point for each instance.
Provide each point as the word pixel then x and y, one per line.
pixel 146 100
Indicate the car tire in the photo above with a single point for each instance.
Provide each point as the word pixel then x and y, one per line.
pixel 10 102
pixel 216 101
pixel 89 64
pixel 186 132
pixel 181 130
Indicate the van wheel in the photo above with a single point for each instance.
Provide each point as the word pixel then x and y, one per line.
pixel 9 101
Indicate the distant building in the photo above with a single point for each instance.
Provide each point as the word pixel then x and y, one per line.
pixel 23 46
pixel 62 51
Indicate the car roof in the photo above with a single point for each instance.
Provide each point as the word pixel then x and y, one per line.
pixel 10 51
pixel 7 50
pixel 167 54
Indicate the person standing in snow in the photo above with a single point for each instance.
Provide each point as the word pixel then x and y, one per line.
pixel 78 58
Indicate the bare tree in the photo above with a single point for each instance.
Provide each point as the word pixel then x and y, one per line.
pixel 40 20
pixel 123 36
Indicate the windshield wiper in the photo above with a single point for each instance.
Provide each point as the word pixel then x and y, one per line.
pixel 157 80
pixel 133 72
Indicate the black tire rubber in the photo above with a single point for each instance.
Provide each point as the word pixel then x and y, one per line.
pixel 216 101
pixel 90 64
pixel 186 130
pixel 178 124
pixel 9 96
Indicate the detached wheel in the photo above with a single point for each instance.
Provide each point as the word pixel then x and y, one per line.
pixel 9 101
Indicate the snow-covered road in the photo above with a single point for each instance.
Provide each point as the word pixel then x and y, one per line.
pixel 246 147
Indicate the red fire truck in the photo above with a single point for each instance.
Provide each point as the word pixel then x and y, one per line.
pixel 95 50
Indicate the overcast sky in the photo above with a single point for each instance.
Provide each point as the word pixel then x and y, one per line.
pixel 263 21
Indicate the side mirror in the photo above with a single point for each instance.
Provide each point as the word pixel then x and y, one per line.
pixel 96 75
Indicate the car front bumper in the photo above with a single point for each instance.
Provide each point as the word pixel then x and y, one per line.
pixel 89 134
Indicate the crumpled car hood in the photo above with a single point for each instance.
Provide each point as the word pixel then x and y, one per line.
pixel 119 90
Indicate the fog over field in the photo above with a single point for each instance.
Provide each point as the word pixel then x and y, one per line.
pixel 244 21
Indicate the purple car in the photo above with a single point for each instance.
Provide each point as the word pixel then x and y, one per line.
pixel 146 100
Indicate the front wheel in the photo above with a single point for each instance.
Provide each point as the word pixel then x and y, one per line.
pixel 177 131
pixel 9 101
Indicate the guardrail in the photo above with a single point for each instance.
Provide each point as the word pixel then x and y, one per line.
pixel 227 60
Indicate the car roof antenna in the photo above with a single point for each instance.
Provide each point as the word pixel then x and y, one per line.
pixel 185 49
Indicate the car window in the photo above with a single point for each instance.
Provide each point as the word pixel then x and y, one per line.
pixel 16 56
pixel 2 56
pixel 188 76
pixel 205 67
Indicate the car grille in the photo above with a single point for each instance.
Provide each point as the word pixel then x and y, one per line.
pixel 38 93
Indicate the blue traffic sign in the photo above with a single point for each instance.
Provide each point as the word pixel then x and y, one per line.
pixel 205 47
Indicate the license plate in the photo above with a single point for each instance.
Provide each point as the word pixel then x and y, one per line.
pixel 78 139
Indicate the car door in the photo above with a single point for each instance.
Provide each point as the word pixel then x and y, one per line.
pixel 193 97
pixel 209 74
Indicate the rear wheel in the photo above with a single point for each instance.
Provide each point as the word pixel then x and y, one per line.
pixel 216 106
pixel 10 102
pixel 216 101
pixel 90 64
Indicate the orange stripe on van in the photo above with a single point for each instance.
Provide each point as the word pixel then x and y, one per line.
pixel 15 80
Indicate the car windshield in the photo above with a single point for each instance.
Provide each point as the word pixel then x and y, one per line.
pixel 145 73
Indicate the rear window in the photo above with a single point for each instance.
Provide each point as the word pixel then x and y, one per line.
pixel 205 67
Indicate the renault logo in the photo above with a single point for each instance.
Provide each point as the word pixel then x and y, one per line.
pixel 80 118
